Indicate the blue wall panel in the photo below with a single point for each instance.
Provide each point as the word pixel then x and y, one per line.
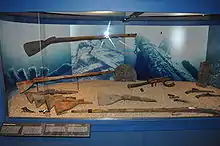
pixel 98 138
pixel 148 138
pixel 203 6
pixel 182 138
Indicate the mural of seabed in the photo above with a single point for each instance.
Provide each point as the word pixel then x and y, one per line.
pixel 89 57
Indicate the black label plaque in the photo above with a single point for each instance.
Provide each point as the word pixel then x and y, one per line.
pixel 10 129
pixel 54 130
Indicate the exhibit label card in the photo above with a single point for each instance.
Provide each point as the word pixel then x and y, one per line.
pixel 43 129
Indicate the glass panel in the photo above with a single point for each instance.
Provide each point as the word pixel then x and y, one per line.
pixel 110 64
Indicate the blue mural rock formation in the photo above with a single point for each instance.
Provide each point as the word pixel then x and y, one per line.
pixel 154 62
pixel 166 46
pixel 12 75
pixel 94 57
pixel 43 72
pixel 62 70
pixel 190 68
pixel 22 74
pixel 32 72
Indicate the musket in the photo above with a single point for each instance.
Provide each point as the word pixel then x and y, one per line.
pixel 33 47
pixel 23 86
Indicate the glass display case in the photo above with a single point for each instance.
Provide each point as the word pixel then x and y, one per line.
pixel 109 65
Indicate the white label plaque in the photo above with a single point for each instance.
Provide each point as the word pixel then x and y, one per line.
pixel 77 129
pixel 32 130
pixel 55 129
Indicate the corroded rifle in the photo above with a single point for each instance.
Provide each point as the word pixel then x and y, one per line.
pixel 26 85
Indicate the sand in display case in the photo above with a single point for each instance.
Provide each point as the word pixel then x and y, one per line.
pixel 111 69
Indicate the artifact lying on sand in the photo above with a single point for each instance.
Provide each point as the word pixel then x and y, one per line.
pixel 111 99
pixel 142 90
pixel 175 98
pixel 30 95
pixel 32 48
pixel 195 90
pixel 54 91
pixel 153 82
pixel 51 100
pixel 26 110
pixel 180 100
pixel 149 110
pixel 60 102
pixel 26 85
pixel 171 96
pixel 207 95
pixel 67 104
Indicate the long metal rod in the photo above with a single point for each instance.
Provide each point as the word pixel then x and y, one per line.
pixel 148 110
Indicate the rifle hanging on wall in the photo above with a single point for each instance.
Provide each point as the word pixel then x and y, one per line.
pixel 33 47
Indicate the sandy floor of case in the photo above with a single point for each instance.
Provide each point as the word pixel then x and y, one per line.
pixel 90 89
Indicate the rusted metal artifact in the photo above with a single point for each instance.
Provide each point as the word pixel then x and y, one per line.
pixel 51 100
pixel 207 95
pixel 60 102
pixel 180 100
pixel 30 95
pixel 148 110
pixel 195 90
pixel 54 91
pixel 26 110
pixel 153 82
pixel 142 90
pixel 176 98
pixel 172 96
pixel 62 106
pixel 111 99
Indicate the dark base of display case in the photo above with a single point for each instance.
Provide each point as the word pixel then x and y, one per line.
pixel 138 132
